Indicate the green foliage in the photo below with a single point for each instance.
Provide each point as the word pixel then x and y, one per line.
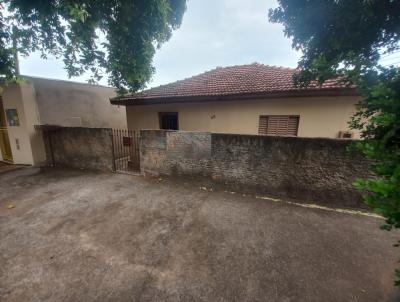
pixel 116 37
pixel 338 37
pixel 345 39
pixel 379 120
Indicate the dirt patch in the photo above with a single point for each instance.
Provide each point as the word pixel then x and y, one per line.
pixel 86 236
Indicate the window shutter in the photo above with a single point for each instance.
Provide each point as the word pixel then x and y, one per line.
pixel 281 125
pixel 263 125
pixel 293 125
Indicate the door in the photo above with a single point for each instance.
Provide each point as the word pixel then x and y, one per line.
pixel 5 147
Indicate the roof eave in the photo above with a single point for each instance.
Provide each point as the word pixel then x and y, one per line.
pixel 132 101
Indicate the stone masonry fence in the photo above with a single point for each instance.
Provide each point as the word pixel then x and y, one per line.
pixel 307 169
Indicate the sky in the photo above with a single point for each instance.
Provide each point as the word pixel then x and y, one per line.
pixel 213 33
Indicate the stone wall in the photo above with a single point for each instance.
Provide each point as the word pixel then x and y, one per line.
pixel 175 152
pixel 88 148
pixel 308 169
pixel 311 169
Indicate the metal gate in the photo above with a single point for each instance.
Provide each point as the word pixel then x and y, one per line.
pixel 126 151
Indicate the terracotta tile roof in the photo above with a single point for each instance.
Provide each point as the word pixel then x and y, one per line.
pixel 234 80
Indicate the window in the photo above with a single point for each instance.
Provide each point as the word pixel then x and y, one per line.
pixel 282 125
pixel 169 120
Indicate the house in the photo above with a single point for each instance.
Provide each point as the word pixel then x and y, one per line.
pixel 248 99
pixel 39 101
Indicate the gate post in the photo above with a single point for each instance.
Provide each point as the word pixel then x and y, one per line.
pixel 113 151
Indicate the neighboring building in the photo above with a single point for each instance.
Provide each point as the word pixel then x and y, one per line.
pixel 38 101
pixel 248 99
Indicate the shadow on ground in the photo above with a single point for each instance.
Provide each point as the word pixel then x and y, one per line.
pixel 84 236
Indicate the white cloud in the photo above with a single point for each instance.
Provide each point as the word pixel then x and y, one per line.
pixel 213 33
pixel 222 33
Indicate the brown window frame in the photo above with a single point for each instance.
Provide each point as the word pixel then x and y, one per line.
pixel 162 114
pixel 278 115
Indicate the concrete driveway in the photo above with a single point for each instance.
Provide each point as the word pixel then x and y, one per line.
pixel 84 236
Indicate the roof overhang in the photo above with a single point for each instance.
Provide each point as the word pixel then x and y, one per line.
pixel 47 127
pixel 136 101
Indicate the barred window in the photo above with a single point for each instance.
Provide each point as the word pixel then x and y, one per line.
pixel 169 120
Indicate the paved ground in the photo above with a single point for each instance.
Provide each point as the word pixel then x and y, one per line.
pixel 76 236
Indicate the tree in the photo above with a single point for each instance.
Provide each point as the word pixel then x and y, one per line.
pixel 346 39
pixel 114 37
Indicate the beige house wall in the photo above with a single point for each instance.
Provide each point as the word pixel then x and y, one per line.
pixel 21 136
pixel 32 117
pixel 73 104
pixel 319 116
pixel 43 101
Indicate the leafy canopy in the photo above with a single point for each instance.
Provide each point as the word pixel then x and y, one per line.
pixel 339 36
pixel 114 37
pixel 347 38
